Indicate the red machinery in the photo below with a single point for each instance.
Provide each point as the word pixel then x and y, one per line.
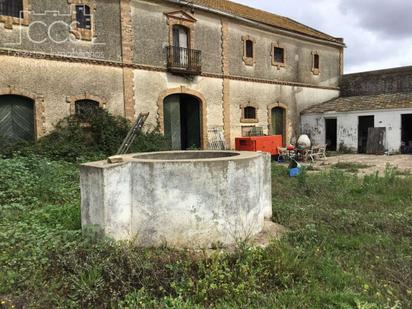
pixel 260 143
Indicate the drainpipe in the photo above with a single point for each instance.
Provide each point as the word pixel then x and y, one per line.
pixel 257 24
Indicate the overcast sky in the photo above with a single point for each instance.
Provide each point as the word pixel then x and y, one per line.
pixel 378 33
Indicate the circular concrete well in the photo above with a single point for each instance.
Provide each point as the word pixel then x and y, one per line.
pixel 194 199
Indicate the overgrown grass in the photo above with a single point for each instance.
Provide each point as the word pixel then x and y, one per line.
pixel 352 167
pixel 349 246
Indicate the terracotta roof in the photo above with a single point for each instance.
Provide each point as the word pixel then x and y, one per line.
pixel 361 103
pixel 264 17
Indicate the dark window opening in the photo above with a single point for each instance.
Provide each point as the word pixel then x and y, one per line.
pixel 83 17
pixel 12 8
pixel 249 112
pixel 331 134
pixel 86 108
pixel 279 55
pixel 406 146
pixel 316 61
pixel 249 49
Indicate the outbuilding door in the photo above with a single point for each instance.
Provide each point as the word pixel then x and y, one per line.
pixel 365 122
pixel 16 118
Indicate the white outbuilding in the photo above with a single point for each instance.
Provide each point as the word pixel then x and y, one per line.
pixel 372 115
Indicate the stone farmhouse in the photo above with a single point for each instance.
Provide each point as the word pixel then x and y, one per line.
pixel 376 101
pixel 195 66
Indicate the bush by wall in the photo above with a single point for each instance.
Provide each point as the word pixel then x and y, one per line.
pixel 93 135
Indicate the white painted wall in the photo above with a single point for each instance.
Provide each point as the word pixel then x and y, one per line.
pixel 314 126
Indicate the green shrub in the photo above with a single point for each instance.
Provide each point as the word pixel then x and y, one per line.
pixel 90 136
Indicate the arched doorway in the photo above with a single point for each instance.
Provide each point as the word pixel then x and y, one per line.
pixel 182 121
pixel 17 117
pixel 278 124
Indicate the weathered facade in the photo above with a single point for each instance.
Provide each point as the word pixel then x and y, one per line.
pixel 195 66
pixel 377 99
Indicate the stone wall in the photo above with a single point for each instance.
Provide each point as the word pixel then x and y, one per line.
pixel 58 83
pixel 48 30
pixel 377 82
pixel 123 65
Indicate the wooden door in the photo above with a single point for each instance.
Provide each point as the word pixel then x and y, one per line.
pixel 278 122
pixel 16 118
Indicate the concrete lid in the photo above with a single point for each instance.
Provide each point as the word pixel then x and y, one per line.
pixel 179 157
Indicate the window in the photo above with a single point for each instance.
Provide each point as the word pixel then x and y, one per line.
pixel 316 61
pixel 11 8
pixel 249 57
pixel 249 112
pixel 249 49
pixel 85 108
pixel 83 17
pixel 279 55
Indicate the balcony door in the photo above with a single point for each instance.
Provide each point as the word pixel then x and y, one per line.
pixel 181 44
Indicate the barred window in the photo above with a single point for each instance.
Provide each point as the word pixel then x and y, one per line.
pixel 279 55
pixel 85 108
pixel 83 17
pixel 249 112
pixel 12 8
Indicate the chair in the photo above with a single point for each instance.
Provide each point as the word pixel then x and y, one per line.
pixel 318 152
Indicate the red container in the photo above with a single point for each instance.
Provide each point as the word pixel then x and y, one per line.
pixel 260 143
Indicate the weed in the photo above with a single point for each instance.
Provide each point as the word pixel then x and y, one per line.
pixel 348 247
pixel 351 167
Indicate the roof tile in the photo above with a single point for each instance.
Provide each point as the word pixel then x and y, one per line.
pixel 264 17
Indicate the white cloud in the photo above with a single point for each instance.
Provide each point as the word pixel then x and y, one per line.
pixel 377 33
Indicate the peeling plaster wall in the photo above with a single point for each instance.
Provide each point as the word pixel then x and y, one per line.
pixel 55 15
pixel 150 85
pixel 150 46
pixel 262 96
pixel 314 126
pixel 56 80
pixel 298 57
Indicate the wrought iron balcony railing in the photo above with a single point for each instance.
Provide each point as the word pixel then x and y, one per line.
pixel 184 61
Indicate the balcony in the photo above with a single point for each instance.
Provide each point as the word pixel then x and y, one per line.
pixel 184 61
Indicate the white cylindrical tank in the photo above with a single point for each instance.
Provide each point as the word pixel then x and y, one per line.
pixel 304 141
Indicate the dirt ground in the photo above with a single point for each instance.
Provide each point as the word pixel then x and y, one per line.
pixel 376 163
